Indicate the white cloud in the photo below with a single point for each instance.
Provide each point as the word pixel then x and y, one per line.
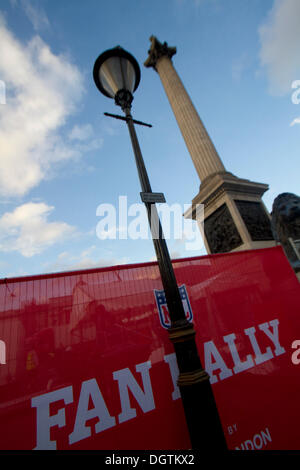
pixel 67 262
pixel 280 38
pixel 295 121
pixel 27 230
pixel 175 254
pixel 43 90
pixel 85 139
pixel 34 13
pixel 83 132
pixel 88 251
pixel 239 66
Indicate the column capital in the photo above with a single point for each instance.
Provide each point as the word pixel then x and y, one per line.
pixel 158 50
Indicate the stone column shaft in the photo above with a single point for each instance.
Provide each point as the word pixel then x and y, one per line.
pixel 204 155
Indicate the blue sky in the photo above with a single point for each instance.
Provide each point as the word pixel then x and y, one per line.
pixel 60 157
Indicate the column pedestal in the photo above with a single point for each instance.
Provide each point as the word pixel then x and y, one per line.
pixel 235 218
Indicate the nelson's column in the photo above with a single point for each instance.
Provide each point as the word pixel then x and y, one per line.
pixel 235 218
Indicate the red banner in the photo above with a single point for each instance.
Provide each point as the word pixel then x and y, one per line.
pixel 86 362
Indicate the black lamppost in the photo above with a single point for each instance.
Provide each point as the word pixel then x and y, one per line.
pixel 117 75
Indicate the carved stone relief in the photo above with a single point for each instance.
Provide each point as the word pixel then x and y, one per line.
pixel 220 231
pixel 256 220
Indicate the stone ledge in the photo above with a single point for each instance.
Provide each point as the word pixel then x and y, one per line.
pixel 218 183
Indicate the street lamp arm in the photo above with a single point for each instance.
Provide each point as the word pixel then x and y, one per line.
pixel 116 116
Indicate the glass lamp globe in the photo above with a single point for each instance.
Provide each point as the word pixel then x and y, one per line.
pixel 115 70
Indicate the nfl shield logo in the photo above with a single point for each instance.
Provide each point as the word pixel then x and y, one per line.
pixel 162 307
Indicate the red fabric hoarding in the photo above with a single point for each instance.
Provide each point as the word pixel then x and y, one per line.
pixel 89 364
